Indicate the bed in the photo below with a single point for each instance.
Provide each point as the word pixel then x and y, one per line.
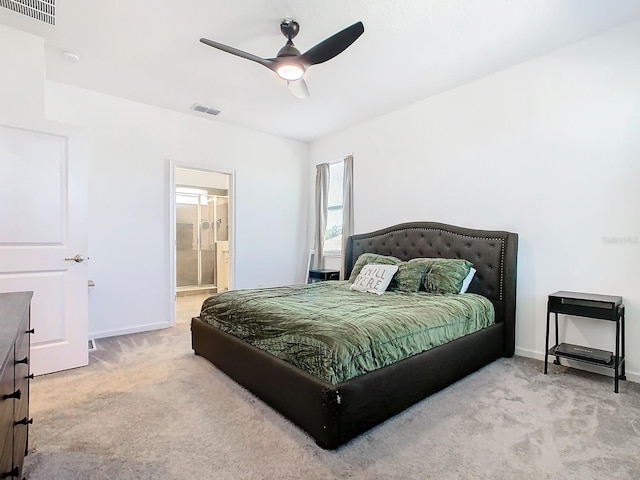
pixel 334 411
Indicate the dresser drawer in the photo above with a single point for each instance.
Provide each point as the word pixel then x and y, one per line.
pixel 6 388
pixel 20 433
pixel 22 343
pixel 21 364
pixel 6 460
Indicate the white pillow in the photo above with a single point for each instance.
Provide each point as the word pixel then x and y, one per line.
pixel 467 280
pixel 374 278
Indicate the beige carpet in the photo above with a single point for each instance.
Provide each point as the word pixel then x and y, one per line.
pixel 147 408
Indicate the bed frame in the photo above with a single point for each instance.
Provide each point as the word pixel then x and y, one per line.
pixel 334 414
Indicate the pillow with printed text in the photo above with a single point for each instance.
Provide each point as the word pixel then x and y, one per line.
pixel 368 258
pixel 374 278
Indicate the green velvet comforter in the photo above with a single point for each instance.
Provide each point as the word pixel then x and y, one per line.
pixel 335 333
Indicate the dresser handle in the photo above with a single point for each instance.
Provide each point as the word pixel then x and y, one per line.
pixel 12 474
pixel 25 360
pixel 33 330
pixel 25 421
pixel 30 376
pixel 17 394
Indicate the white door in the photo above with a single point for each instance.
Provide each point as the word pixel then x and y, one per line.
pixel 43 209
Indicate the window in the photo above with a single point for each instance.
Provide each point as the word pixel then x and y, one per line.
pixel 191 196
pixel 333 233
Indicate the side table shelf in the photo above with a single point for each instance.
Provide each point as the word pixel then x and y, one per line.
pixel 600 307
pixel 611 364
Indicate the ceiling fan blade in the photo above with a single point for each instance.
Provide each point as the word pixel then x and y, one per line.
pixel 332 46
pixel 299 88
pixel 270 64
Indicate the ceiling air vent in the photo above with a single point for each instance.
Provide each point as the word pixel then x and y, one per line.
pixel 202 108
pixel 43 10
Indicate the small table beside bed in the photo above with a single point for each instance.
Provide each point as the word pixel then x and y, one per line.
pixel 338 361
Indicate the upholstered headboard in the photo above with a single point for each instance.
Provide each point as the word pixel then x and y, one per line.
pixel 493 254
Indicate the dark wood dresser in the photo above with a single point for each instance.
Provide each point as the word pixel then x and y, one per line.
pixel 15 330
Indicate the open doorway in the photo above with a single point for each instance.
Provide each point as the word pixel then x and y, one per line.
pixel 202 230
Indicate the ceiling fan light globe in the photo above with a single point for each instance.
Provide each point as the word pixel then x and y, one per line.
pixel 290 72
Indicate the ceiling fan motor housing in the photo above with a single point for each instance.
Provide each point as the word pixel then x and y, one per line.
pixel 289 50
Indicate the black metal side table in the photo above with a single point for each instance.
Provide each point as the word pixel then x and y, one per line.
pixel 601 307
pixel 322 275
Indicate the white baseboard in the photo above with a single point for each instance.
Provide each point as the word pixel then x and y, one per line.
pixel 126 331
pixel 631 376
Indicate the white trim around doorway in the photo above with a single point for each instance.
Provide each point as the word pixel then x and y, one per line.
pixel 172 228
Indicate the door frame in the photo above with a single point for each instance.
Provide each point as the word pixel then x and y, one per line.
pixel 172 227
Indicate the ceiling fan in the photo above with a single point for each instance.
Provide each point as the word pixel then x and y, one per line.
pixel 289 63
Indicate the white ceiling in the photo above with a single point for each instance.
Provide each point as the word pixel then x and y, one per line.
pixel 148 51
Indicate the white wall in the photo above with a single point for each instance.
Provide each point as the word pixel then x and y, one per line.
pixel 131 145
pixel 549 149
pixel 22 77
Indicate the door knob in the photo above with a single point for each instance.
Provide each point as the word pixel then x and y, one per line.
pixel 77 259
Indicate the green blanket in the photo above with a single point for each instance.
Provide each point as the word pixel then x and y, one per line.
pixel 335 333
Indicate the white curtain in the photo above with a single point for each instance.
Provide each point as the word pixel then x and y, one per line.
pixel 322 200
pixel 347 207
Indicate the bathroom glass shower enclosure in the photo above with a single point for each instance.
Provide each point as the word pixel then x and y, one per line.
pixel 202 238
